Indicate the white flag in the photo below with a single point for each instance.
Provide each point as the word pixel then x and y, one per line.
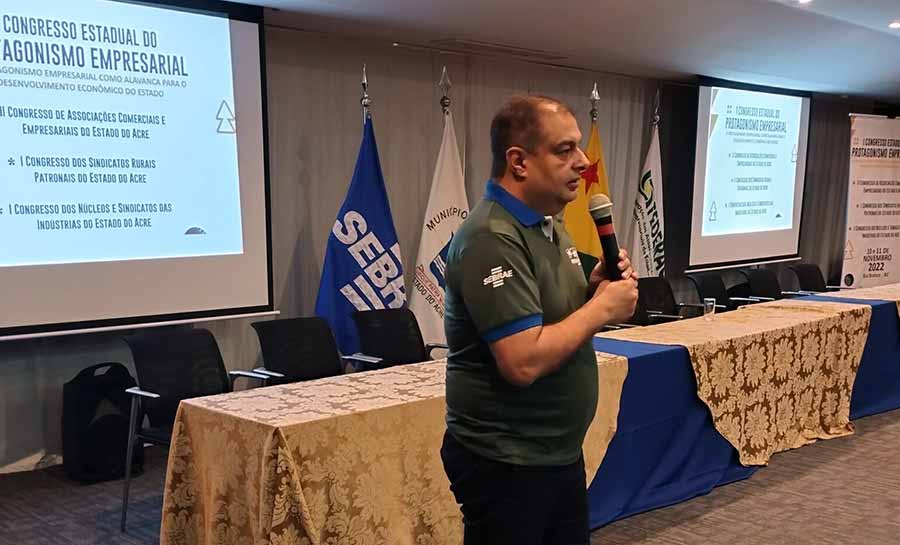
pixel 648 252
pixel 447 208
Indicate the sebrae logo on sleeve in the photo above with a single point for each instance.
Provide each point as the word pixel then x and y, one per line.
pixel 497 276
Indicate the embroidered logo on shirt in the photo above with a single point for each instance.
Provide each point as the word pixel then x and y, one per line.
pixel 573 255
pixel 496 277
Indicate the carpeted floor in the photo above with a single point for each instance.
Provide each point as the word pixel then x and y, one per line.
pixel 840 492
pixel 46 508
pixel 844 491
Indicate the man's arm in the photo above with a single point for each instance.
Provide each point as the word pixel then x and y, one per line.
pixel 528 355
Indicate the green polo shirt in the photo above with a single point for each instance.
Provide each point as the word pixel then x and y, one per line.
pixel 505 275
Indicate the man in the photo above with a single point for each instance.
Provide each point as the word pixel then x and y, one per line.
pixel 519 317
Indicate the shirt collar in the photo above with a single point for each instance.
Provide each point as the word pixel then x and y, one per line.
pixel 526 215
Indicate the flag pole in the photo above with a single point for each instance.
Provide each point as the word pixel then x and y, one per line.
pixel 445 85
pixel 595 102
pixel 365 100
pixel 656 102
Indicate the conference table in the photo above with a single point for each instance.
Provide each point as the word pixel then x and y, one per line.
pixel 684 407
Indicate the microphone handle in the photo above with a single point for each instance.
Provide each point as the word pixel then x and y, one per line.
pixel 611 256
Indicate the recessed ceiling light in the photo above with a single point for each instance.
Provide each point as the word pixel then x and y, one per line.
pixel 895 24
pixel 804 1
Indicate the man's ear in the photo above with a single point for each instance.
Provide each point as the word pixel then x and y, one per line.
pixel 515 158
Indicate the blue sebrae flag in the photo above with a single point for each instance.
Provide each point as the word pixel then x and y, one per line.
pixel 363 269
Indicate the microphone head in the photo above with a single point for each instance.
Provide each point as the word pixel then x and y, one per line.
pixel 600 206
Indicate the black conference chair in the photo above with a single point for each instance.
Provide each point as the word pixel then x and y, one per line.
pixel 710 285
pixel 171 366
pixel 660 297
pixel 652 304
pixel 810 278
pixel 764 285
pixel 685 292
pixel 393 335
pixel 297 349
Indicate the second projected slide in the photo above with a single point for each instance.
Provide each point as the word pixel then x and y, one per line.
pixel 751 162
pixel 118 131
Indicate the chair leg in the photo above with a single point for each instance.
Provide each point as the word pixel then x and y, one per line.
pixel 132 425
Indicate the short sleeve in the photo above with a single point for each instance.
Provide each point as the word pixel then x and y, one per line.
pixel 499 287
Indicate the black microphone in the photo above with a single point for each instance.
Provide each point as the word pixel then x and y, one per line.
pixel 600 208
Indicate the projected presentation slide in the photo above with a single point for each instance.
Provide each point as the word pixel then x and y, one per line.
pixel 118 132
pixel 751 162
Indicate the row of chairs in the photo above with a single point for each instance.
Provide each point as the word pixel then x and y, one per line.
pixel 304 348
pixel 173 365
pixel 674 298
pixel 186 363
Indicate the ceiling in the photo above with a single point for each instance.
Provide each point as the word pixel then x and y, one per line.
pixel 832 46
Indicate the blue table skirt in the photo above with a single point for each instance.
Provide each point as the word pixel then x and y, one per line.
pixel 666 449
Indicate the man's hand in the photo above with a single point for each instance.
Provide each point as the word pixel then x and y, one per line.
pixel 598 275
pixel 613 302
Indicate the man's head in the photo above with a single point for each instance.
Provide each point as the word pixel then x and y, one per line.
pixel 536 154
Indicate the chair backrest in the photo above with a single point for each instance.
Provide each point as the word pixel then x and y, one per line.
pixel 658 294
pixel 710 285
pixel 178 364
pixel 732 278
pixel 685 292
pixel 298 348
pixel 809 276
pixel 763 283
pixel 740 289
pixel 390 334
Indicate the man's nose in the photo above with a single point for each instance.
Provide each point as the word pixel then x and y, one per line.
pixel 581 162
